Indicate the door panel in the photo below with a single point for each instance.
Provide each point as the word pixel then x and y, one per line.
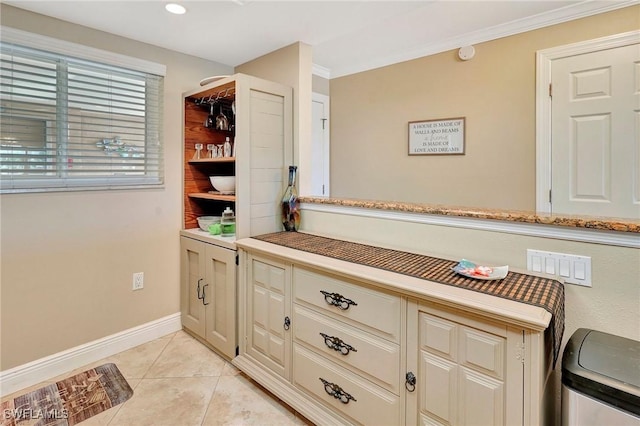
pixel 220 297
pixel 481 399
pixel 266 332
pixel 192 271
pixel 591 148
pixel 439 336
pixel 438 386
pixel 595 148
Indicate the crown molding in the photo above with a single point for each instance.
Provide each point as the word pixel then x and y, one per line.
pixel 321 71
pixel 558 16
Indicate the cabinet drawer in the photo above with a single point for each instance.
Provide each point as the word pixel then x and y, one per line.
pixel 370 356
pixel 370 405
pixel 373 310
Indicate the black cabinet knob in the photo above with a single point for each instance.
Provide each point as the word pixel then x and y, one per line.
pixel 410 383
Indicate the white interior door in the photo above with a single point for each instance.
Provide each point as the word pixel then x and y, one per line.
pixel 595 122
pixel 320 146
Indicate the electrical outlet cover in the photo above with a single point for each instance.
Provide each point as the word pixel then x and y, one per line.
pixel 138 280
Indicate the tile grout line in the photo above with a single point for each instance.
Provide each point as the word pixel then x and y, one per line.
pixel 120 406
pixel 144 376
pixel 213 394
pixel 141 378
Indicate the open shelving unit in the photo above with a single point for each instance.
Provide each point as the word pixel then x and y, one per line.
pixel 262 128
pixel 198 197
pixel 263 132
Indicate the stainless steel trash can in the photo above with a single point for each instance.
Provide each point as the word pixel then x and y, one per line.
pixel 600 380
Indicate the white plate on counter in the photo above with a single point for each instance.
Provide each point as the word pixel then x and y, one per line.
pixel 480 272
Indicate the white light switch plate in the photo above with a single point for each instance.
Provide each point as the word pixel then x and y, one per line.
pixel 573 269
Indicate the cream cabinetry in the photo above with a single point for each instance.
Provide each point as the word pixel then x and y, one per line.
pixel 268 322
pixel 208 293
pixel 344 331
pixel 463 376
pixel 350 301
pixel 347 344
pixel 259 116
pixel 332 344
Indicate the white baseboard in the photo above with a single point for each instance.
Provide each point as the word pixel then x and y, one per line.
pixel 43 369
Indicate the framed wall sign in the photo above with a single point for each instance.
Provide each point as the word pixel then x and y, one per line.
pixel 428 137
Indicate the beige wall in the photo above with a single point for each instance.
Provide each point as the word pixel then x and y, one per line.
pixel 320 85
pixel 495 91
pixel 68 258
pixel 292 66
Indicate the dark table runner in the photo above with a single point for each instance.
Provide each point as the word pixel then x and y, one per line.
pixel 543 292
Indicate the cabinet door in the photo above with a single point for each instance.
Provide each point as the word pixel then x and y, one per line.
pixel 268 322
pixel 192 277
pixel 461 370
pixel 219 294
pixel 264 140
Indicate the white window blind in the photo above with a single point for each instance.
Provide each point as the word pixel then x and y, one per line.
pixel 69 123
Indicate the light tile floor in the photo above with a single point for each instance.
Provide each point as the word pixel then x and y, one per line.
pixel 177 381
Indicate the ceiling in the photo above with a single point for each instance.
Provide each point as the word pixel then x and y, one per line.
pixel 346 36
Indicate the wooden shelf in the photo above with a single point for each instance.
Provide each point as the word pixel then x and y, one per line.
pixel 214 160
pixel 213 196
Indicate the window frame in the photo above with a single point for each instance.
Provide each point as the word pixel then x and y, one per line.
pixel 81 52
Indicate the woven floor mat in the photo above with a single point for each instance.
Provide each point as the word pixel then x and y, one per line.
pixel 69 401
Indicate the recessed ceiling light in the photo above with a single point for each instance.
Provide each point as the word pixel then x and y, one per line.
pixel 175 8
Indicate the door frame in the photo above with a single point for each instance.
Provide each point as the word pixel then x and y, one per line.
pixel 326 142
pixel 544 63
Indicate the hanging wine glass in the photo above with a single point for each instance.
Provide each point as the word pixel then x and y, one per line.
pixel 211 119
pixel 222 123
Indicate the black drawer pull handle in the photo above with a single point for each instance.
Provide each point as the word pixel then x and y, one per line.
pixel 198 289
pixel 287 323
pixel 337 392
pixel 203 295
pixel 410 383
pixel 336 344
pixel 338 300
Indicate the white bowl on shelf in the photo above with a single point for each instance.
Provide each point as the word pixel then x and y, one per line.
pixel 205 221
pixel 224 184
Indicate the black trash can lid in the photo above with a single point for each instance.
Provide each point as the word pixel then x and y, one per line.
pixel 605 367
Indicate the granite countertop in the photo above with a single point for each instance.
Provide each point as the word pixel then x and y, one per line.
pixel 600 223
